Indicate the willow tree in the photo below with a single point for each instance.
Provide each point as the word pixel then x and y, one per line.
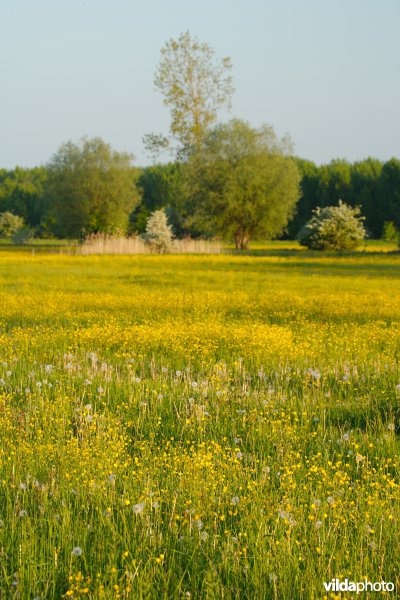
pixel 243 184
pixel 195 85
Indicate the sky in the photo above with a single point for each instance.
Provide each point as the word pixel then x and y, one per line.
pixel 325 71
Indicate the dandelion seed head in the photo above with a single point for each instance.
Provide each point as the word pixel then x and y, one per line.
pixel 138 508
pixel 314 374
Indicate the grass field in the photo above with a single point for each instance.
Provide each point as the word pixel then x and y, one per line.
pixel 198 427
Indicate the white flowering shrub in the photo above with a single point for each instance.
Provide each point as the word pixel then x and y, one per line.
pixel 158 233
pixel 333 228
pixel 10 224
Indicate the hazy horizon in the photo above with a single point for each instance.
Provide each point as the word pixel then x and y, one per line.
pixel 326 73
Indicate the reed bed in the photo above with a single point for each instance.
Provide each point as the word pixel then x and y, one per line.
pixel 106 244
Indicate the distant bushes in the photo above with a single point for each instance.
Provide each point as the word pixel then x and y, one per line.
pixel 333 228
pixel 371 184
pixel 22 236
pixel 390 232
pixel 104 192
pixel 10 224
pixel 12 227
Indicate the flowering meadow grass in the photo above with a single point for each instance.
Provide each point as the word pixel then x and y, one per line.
pixel 198 427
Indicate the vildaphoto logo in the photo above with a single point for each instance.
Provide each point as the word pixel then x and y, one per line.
pixel 336 585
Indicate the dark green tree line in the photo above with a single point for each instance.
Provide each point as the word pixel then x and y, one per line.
pixel 370 184
pixel 21 193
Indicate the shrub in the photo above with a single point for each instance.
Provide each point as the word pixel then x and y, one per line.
pixel 22 236
pixel 390 233
pixel 9 224
pixel 333 228
pixel 158 233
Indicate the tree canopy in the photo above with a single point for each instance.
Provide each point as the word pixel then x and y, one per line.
pixel 243 183
pixel 90 188
pixel 195 86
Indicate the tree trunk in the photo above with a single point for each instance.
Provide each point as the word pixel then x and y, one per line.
pixel 241 240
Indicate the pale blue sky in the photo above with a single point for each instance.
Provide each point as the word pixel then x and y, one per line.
pixel 325 71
